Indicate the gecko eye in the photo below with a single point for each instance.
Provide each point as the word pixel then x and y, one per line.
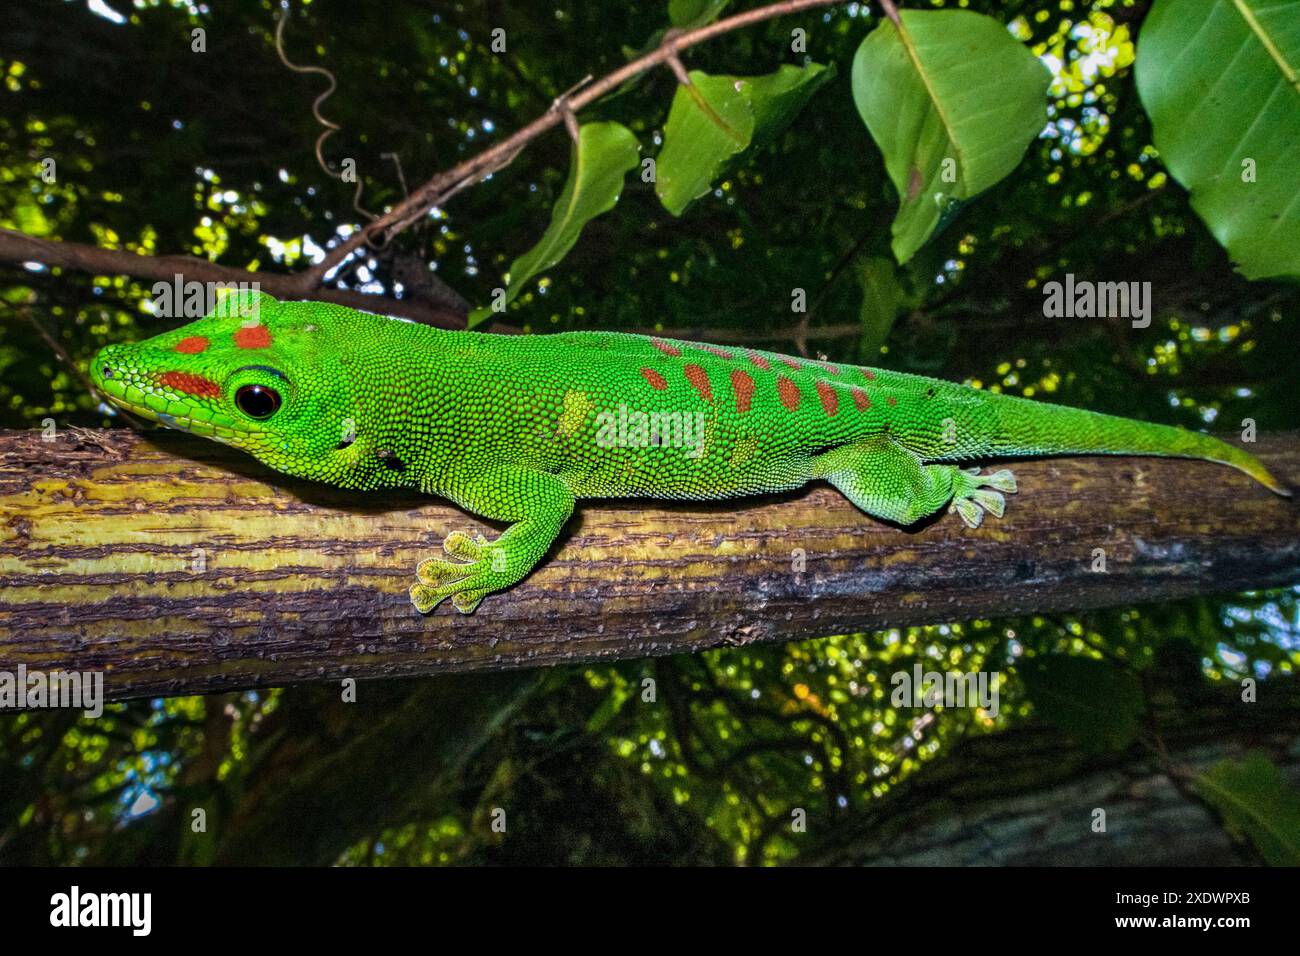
pixel 257 401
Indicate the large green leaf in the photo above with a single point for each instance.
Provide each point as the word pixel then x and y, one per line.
pixel 601 158
pixel 1094 701
pixel 952 100
pixel 1256 802
pixel 1221 81
pixel 716 118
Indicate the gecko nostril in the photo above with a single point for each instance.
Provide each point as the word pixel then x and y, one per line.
pixel 108 371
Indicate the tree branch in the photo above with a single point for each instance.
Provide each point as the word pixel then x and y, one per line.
pixel 18 247
pixel 179 566
pixel 497 157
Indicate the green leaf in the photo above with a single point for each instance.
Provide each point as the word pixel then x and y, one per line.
pixel 1221 82
pixel 601 158
pixel 953 101
pixel 1095 702
pixel 689 14
pixel 716 118
pixel 882 297
pixel 778 97
pixel 685 15
pixel 710 122
pixel 1256 803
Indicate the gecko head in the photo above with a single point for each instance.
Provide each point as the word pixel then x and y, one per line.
pixel 267 377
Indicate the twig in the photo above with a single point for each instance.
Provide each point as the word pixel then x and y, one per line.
pixel 566 111
pixel 433 192
pixel 19 247
pixel 397 162
pixel 308 284
pixel 674 60
pixel 61 353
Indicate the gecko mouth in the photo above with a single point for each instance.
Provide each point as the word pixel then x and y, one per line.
pixel 168 399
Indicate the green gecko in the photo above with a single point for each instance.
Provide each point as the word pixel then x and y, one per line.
pixel 517 428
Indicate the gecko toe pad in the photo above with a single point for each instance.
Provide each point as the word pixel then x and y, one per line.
pixel 974 494
pixel 479 570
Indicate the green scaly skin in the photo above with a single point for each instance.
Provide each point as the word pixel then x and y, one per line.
pixel 517 428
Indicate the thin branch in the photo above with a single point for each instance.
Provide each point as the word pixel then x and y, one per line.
pixel 734 336
pixel 502 154
pixel 59 352
pixel 562 103
pixel 19 247
pixel 62 355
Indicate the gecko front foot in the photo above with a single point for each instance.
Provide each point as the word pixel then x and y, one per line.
pixel 537 503
pixel 974 494
pixel 479 570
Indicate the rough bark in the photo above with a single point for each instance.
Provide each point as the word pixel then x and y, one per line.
pixel 179 566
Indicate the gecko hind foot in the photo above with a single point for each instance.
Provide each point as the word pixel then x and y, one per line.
pixel 974 494
pixel 427 598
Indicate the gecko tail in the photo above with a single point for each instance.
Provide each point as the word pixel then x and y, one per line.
pixel 1033 428
pixel 1252 466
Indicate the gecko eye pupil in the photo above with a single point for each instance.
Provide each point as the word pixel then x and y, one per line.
pixel 257 401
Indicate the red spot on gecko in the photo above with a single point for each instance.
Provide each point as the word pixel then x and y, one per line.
pixel 743 385
pixel 869 375
pixel 833 369
pixel 192 345
pixel 699 380
pixel 830 401
pixel 656 380
pixel 670 350
pixel 714 350
pixel 891 400
pixel 789 393
pixel 253 337
pixel 758 360
pixel 794 363
pixel 860 398
pixel 190 384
